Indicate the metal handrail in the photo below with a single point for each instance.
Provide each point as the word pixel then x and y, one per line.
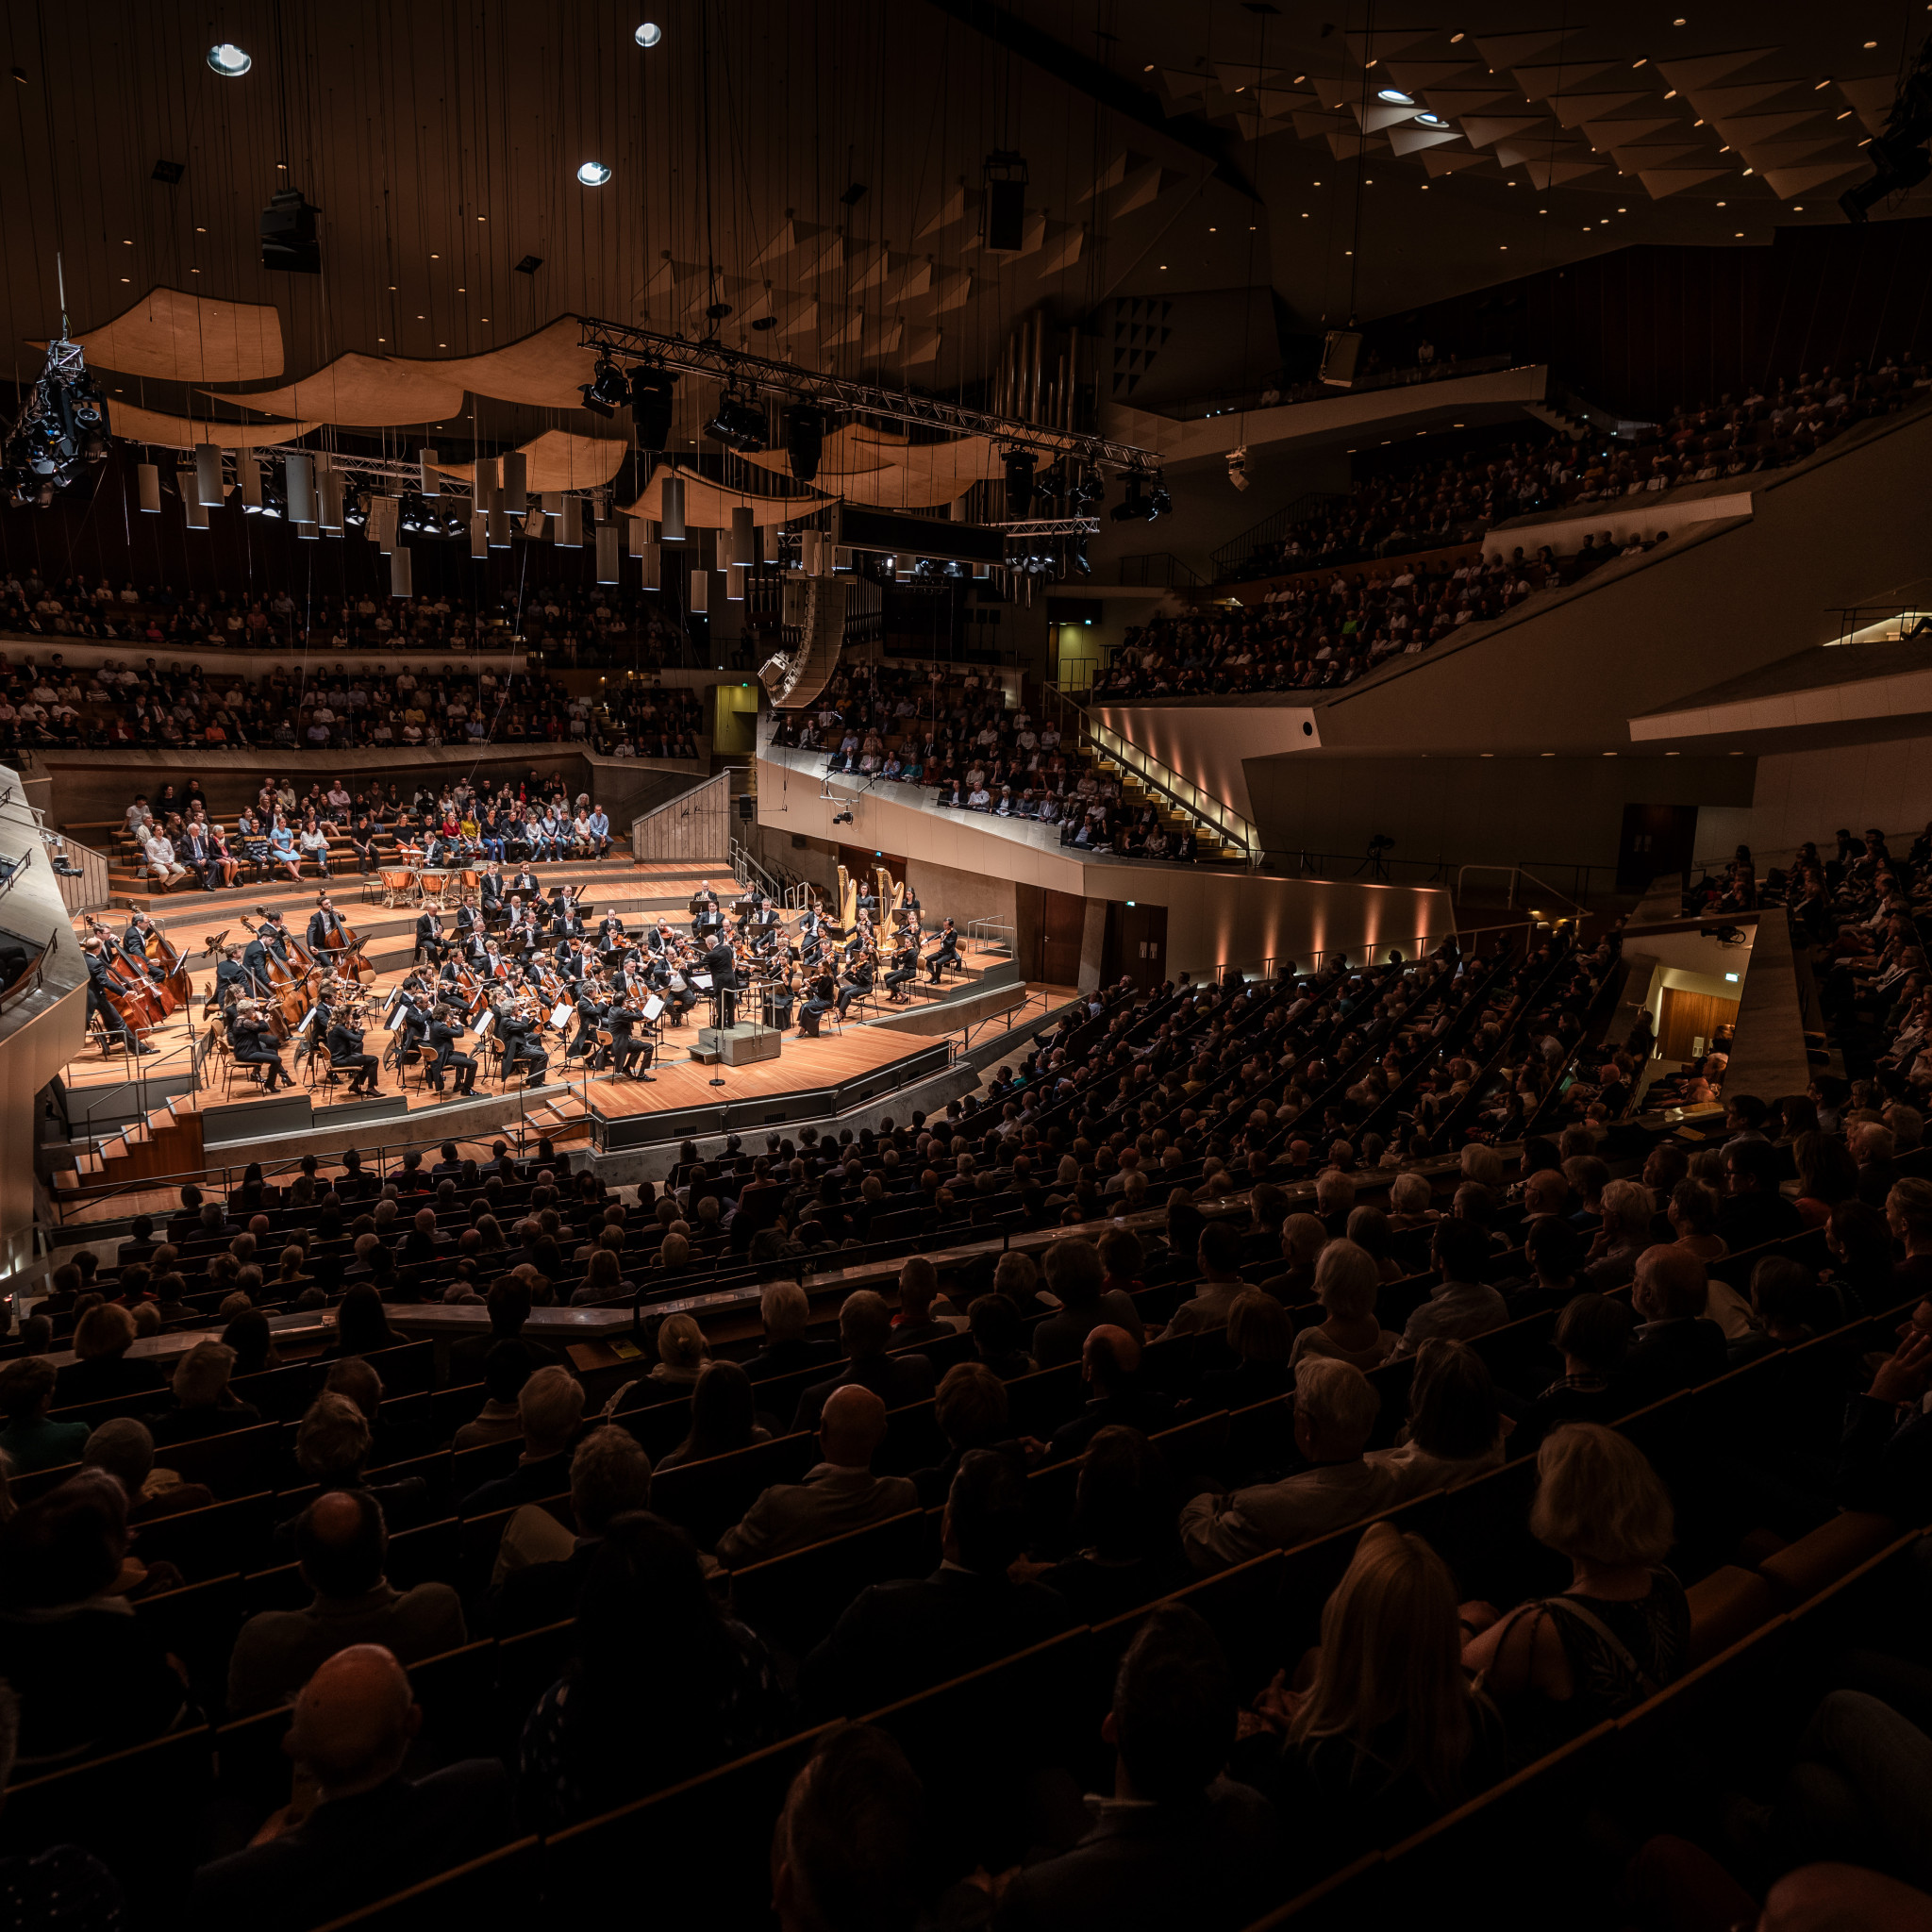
pixel 1513 873
pixel 1239 549
pixel 981 932
pixel 1163 778
pixel 29 981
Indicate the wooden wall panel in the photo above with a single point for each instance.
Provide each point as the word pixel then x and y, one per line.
pixel 697 825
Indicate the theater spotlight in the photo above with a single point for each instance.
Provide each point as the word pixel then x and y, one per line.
pixel 356 510
pixel 649 34
pixel 842 818
pixel 1019 466
pixel 650 408
pixel 606 391
pixel 1897 153
pixel 1090 489
pixel 1238 467
pixel 738 424
pixel 230 61
pixel 804 439
pixel 414 518
pixel 61 430
pixel 1161 501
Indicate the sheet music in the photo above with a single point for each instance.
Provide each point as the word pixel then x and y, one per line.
pixel 652 1006
pixel 702 981
pixel 560 1017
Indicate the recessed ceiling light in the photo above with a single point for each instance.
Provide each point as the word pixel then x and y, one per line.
pixel 230 61
pixel 1454 37
pixel 1870 44
pixel 594 173
pixel 1430 120
pixel 1394 97
pixel 1644 62
pixel 649 34
pixel 1846 115
pixel 1679 22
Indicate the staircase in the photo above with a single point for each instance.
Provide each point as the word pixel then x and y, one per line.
pixel 167 1141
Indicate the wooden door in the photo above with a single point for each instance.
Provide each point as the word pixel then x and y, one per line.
pixel 1051 926
pixel 1136 944
pixel 1659 842
pixel 1690 1020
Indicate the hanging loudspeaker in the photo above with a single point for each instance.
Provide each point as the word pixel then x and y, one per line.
pixel 516 476
pixel 248 474
pixel 673 509
pixel 606 554
pixel 147 480
pixel 193 508
pixel 552 501
pixel 299 473
pixel 208 475
pixel 400 574
pixel 638 538
pixel 735 580
pixel 651 558
pixel 569 523
pixel 429 479
pixel 700 591
pixel 535 523
pixel 484 490
pixel 741 538
pixel 479 534
pixel 499 529
pixel 329 489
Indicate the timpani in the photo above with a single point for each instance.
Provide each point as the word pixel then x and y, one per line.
pixel 398 888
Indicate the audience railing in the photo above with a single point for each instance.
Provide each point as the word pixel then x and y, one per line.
pixel 1518 874
pixel 1879 624
pixel 1239 549
pixel 83 889
pixel 990 935
pixel 1101 742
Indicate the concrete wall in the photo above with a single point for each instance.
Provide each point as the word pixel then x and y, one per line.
pixel 1556 811
pixel 1809 795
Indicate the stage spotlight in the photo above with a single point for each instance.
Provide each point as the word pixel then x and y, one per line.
pixel 1019 465
pixel 594 173
pixel 805 439
pixel 1160 502
pixel 356 510
pixel 738 424
pixel 649 34
pixel 62 429
pixel 650 408
pixel 1238 467
pixel 1132 508
pixel 842 818
pixel 1081 562
pixel 1090 489
pixel 415 519
pixel 230 61
pixel 289 240
pixel 607 391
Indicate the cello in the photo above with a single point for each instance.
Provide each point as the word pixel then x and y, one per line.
pixel 134 995
pixel 346 950
pixel 162 952
pixel 288 991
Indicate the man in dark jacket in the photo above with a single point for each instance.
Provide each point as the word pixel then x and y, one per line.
pixel 898 1638
pixel 550 1407
pixel 788 1347
pixel 1176 1844
pixel 865 1327
pixel 1110 1360
pixel 1753 1212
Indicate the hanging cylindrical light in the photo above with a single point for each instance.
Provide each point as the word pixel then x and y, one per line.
pixel 651 560
pixel 553 502
pixel 332 491
pixel 570 525
pixel 248 474
pixel 479 534
pixel 516 479
pixel 638 538
pixel 429 478
pixel 384 514
pixel 606 554
pixel 742 537
pixel 147 482
pixel 673 506
pixel 208 477
pixel 401 577
pixel 700 591
pixel 735 577
pixel 489 481
pixel 499 529
pixel 191 506
pixel 299 476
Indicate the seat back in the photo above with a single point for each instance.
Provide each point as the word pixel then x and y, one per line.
pixel 793 1601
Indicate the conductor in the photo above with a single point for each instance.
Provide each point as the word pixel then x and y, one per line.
pixel 721 962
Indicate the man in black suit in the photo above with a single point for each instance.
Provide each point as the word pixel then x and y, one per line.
pixel 1180 1843
pixel 786 1313
pixel 522 1045
pixel 430 943
pixel 865 1328
pixel 372 1831
pixel 550 1405
pixel 345 1052
pixel 897 1637
pixel 325 928
pixel 231 978
pixel 721 962
pixel 947 954
pixel 1110 1360
pixel 1754 1210
pixel 1674 1346
pixel 446 1029
pixel 628 1044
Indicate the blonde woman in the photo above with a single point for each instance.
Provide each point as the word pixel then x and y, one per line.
pixel 1302 1237
pixel 1389 1734
pixel 1345 1283
pixel 1559 1665
pixel 682 1353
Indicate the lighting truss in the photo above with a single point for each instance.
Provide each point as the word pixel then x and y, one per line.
pixel 741 371
pixel 1052 527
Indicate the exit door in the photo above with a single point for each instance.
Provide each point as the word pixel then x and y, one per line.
pixel 1659 842
pixel 1136 944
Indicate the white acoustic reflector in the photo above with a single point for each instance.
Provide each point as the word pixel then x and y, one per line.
pixel 734 580
pixel 742 541
pixel 147 478
pixel 331 488
pixel 673 509
pixel 208 475
pixel 429 479
pixel 299 475
pixel 248 473
pixel 535 523
pixel 401 576
pixel 606 554
pixel 193 508
pixel 569 523
pixel 700 591
pixel 651 558
pixel 479 534
pixel 516 479
pixel 499 529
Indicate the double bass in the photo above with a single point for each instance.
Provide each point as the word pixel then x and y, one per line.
pixel 162 952
pixel 136 1001
pixel 288 991
pixel 346 955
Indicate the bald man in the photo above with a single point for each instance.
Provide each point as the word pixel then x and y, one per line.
pixel 342 1543
pixel 369 1831
pixel 839 1493
pixel 1675 1346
